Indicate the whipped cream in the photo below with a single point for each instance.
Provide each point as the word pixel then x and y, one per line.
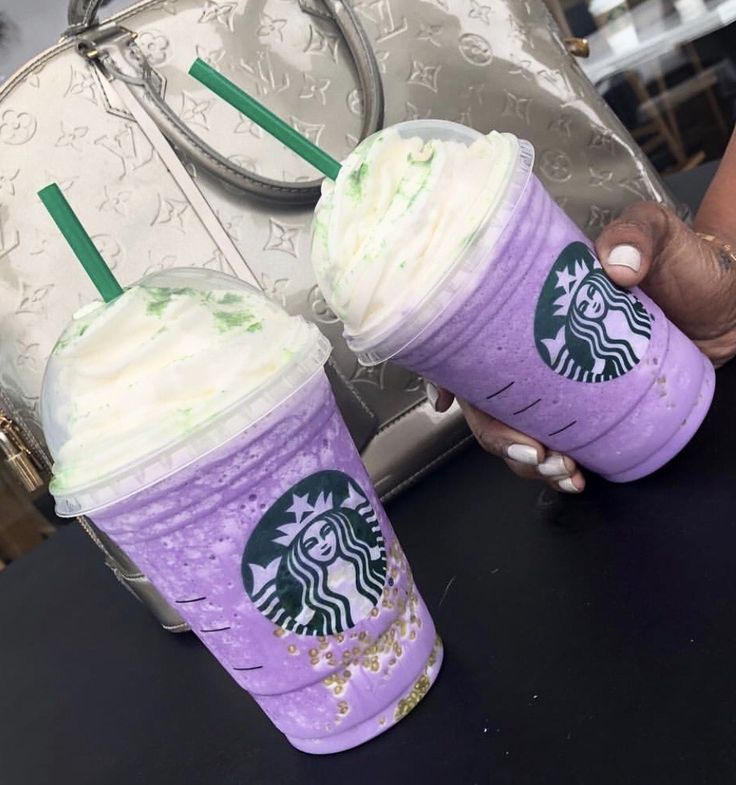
pixel 398 217
pixel 138 374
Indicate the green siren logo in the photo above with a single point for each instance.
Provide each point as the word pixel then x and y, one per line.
pixel 585 327
pixel 316 562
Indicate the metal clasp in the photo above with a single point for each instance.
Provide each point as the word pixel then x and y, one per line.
pixel 88 45
pixel 579 47
pixel 17 456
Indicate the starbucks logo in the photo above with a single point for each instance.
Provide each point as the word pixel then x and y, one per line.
pixel 586 328
pixel 316 562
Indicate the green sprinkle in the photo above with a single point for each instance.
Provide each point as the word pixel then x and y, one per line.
pixel 160 297
pixel 70 336
pixel 354 185
pixel 230 299
pixel 228 320
pixel 320 230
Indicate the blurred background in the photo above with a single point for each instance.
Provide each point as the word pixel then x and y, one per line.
pixel 666 67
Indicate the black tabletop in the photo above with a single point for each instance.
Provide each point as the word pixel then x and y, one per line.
pixel 589 640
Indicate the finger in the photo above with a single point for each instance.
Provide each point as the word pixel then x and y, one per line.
pixel 524 470
pixel 650 246
pixel 498 439
pixel 439 398
pixel 573 484
pixel 557 466
pixel 628 245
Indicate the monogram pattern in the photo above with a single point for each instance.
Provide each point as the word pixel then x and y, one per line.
pixel 489 64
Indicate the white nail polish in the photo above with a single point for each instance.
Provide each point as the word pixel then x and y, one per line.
pixel 567 486
pixel 553 466
pixel 523 453
pixel 433 394
pixel 625 256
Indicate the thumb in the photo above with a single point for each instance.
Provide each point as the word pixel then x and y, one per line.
pixel 629 246
pixel 651 247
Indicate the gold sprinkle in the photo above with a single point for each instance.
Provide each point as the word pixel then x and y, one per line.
pixel 279 632
pixel 347 674
pixel 342 707
pixel 374 612
pixel 292 649
pixel 340 637
pixel 435 651
pixel 418 691
pixel 313 653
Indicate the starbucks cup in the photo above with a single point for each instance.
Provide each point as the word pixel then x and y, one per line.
pixel 520 319
pixel 192 421
pixel 614 20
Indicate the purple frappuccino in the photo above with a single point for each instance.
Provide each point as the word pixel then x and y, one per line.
pixel 499 297
pixel 253 515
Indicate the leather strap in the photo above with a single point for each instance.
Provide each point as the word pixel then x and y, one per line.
pixel 95 42
pixel 193 195
pixel 82 14
pixel 360 419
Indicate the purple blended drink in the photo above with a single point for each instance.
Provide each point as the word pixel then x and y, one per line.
pixel 245 501
pixel 495 294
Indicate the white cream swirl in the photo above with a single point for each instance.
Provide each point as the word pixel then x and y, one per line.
pixel 399 216
pixel 138 374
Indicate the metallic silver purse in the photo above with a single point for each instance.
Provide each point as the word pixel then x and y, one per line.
pixel 163 174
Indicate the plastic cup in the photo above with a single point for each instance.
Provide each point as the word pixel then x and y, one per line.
pixel 526 326
pixel 262 528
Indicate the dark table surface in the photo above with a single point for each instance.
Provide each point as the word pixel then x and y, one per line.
pixel 588 639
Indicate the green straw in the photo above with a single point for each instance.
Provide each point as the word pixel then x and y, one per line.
pixel 81 243
pixel 247 105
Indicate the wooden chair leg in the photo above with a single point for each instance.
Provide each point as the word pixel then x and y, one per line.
pixel 656 120
pixel 710 96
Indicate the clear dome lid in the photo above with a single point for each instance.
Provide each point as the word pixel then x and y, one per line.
pixel 138 388
pixel 384 341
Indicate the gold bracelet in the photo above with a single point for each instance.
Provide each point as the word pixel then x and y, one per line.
pixel 726 252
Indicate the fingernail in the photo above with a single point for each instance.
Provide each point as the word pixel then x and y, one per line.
pixel 432 393
pixel 568 486
pixel 523 453
pixel 552 466
pixel 625 256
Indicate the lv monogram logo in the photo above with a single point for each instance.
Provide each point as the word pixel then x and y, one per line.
pixel 380 13
pixel 131 153
pixel 9 239
pixel 267 81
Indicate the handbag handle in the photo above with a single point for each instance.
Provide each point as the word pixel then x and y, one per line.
pixel 82 16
